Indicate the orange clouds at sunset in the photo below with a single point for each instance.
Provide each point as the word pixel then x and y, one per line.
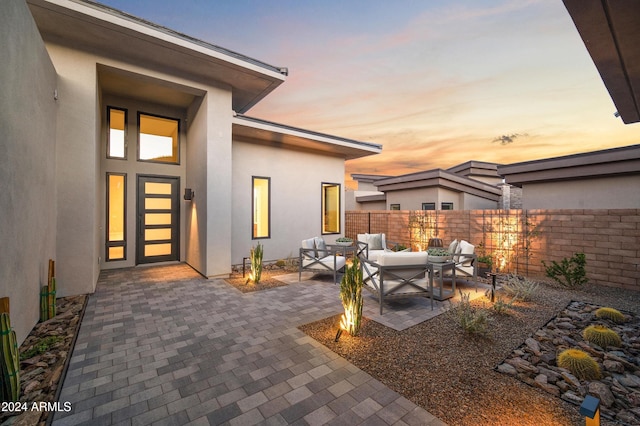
pixel 435 83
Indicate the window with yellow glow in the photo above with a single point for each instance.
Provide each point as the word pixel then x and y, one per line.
pixel 261 187
pixel 158 139
pixel 330 208
pixel 116 216
pixel 116 141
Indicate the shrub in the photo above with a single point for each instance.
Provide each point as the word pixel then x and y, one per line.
pixel 501 307
pixel 610 314
pixel 601 336
pixel 520 289
pixel 472 320
pixel 569 273
pixel 579 363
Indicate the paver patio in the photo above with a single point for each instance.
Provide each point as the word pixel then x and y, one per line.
pixel 162 345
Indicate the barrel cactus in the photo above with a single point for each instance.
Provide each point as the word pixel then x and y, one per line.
pixel 610 314
pixel 579 363
pixel 601 336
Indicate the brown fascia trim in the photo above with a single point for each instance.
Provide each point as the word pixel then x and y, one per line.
pixel 439 178
pixel 609 32
pixel 478 168
pixel 610 162
pixel 371 198
pixel 361 177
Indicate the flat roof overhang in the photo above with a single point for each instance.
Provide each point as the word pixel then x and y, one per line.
pixel 108 32
pixel 608 162
pixel 254 130
pixel 439 178
pixel 371 198
pixel 610 31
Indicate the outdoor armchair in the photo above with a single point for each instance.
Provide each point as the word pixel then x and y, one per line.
pixel 317 256
pixel 465 259
pixel 396 275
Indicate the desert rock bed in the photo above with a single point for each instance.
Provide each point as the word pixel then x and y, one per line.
pixel 619 388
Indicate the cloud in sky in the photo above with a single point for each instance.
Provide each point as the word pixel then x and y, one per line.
pixel 434 82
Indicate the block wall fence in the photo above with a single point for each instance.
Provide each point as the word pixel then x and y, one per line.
pixel 519 240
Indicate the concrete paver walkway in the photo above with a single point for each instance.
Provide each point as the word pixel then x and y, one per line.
pixel 164 346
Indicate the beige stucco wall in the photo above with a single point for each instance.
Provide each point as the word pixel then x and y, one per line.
pixel 77 164
pixel 412 199
pixel 27 170
pixel 295 197
pixel 619 192
pixel 473 202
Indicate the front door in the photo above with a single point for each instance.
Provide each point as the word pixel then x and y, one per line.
pixel 158 238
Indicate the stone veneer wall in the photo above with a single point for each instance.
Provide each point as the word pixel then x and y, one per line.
pixel 521 239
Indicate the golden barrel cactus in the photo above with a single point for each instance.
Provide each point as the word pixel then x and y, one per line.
pixel 610 314
pixel 601 336
pixel 579 363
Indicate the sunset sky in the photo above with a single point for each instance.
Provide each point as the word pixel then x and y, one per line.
pixel 437 83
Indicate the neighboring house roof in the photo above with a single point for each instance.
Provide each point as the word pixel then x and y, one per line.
pixel 366 178
pixel 608 162
pixel 94 27
pixel 439 178
pixel 266 132
pixel 610 33
pixel 475 168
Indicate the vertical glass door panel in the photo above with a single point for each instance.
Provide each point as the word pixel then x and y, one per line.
pixel 158 219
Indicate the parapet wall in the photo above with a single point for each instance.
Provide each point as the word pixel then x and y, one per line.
pixel 519 240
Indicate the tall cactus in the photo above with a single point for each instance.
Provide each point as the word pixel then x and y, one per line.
pixel 256 263
pixel 9 360
pixel 351 296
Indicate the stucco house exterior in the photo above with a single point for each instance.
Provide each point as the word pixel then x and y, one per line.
pixel 126 143
pixel 605 179
pixel 473 185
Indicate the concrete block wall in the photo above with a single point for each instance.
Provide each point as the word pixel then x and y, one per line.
pixel 520 240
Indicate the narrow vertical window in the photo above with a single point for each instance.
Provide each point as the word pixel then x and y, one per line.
pixel 446 206
pixel 330 208
pixel 158 139
pixel 261 221
pixel 116 216
pixel 116 140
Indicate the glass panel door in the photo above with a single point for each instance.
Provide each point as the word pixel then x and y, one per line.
pixel 158 219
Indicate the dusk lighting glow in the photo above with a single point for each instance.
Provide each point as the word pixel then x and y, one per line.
pixel 436 83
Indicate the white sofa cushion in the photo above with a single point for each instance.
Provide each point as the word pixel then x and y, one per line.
pixel 377 244
pixel 391 258
pixel 465 248
pixel 327 261
pixel 453 246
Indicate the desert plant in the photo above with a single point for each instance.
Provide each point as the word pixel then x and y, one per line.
pixel 501 306
pixel 610 314
pixel 399 247
pixel 569 273
pixel 9 362
pixel 438 251
pixel 579 363
pixel 472 320
pixel 351 297
pixel 256 264
pixel 41 347
pixel 520 289
pixel 344 240
pixel 601 336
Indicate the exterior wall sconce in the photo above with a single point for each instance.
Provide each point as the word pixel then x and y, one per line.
pixel 590 408
pixel 189 194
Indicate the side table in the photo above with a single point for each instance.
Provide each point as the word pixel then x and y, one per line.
pixel 438 270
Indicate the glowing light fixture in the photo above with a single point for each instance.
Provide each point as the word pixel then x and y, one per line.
pixel 189 194
pixel 590 408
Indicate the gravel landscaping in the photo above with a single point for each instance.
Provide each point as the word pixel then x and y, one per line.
pixel 453 374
